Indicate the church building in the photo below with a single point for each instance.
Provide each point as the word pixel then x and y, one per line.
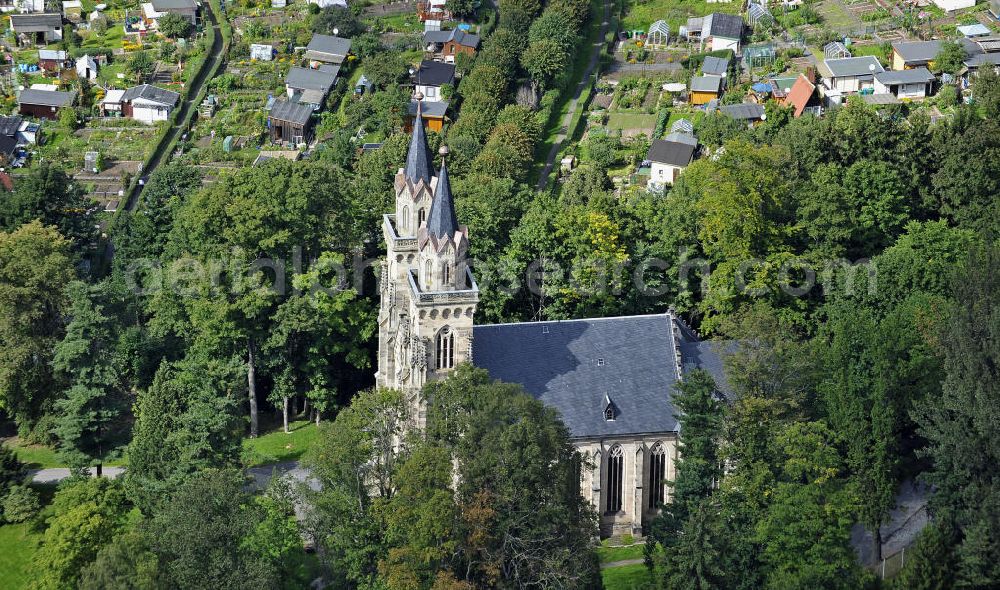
pixel 610 379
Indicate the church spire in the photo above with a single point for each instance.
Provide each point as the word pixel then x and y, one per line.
pixel 442 221
pixel 419 160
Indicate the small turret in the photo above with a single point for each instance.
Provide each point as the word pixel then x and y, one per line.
pixel 419 161
pixel 442 221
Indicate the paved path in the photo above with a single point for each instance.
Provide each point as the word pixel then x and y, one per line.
pixel 57 474
pixel 575 103
pixel 215 54
pixel 261 475
pixel 622 562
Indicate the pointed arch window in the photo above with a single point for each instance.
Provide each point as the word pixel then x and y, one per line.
pixel 428 273
pixel 616 472
pixel 445 349
pixel 421 216
pixel 446 273
pixel 404 223
pixel 657 476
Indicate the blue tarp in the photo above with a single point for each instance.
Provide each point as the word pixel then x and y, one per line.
pixel 761 87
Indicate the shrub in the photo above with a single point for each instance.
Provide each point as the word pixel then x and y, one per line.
pixel 20 504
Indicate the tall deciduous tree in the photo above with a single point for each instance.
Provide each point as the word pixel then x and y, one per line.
pixel 50 196
pixel 35 267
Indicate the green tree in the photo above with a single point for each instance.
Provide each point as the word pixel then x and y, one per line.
pixel 50 196
pixel 339 18
pixel 184 423
pixel 462 8
pixel 35 267
pixel 210 533
pixel 986 93
pixel 140 64
pixel 90 416
pixel 957 423
pixel 509 446
pixel 544 60
pixel 929 564
pixel 173 25
pixel 85 516
pixel 356 460
pixel 949 57
pixel 126 563
pixel 806 533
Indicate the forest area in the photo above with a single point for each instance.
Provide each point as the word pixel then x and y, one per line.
pixel 851 260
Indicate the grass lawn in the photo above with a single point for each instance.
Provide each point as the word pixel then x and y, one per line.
pixel 17 548
pixel 881 51
pixel 628 577
pixel 610 554
pixel 34 456
pixel 836 17
pixel 639 14
pixel 631 121
pixel 276 446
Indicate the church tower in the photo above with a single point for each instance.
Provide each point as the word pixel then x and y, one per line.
pixel 428 293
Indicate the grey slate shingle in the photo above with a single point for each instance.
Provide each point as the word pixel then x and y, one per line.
pixel 50 98
pixel 310 79
pixel 557 362
pixel 293 112
pixel 675 153
pixel 151 93
pixel 912 76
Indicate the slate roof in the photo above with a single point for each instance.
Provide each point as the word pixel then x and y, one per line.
pixel 719 24
pixel 913 76
pixel 419 160
pixel 983 59
pixel 168 5
pixel 920 51
pixel 574 365
pixel 457 35
pixel 715 66
pixel 9 126
pixel 310 79
pixel 152 94
pixel 694 24
pixel 675 153
pixel 293 112
pixel 682 137
pixel 706 84
pixel 50 98
pixel 35 23
pixel 435 73
pixel 441 219
pixel 432 109
pixel 852 66
pixel 744 112
pixel 327 46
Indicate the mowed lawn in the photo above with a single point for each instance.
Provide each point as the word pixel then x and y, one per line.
pixel 18 545
pixel 639 14
pixel 34 456
pixel 276 446
pixel 631 121
pixel 628 577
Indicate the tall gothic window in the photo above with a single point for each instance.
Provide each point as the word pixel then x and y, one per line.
pixel 445 349
pixel 421 216
pixel 428 273
pixel 404 223
pixel 657 476
pixel 446 274
pixel 616 471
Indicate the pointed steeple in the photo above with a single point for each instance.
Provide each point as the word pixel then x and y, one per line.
pixel 419 161
pixel 442 221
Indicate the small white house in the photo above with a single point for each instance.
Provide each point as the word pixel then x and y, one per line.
pixel 111 104
pixel 669 157
pixel 912 83
pixel 149 104
pixel 849 74
pixel 86 67
pixel 722 31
